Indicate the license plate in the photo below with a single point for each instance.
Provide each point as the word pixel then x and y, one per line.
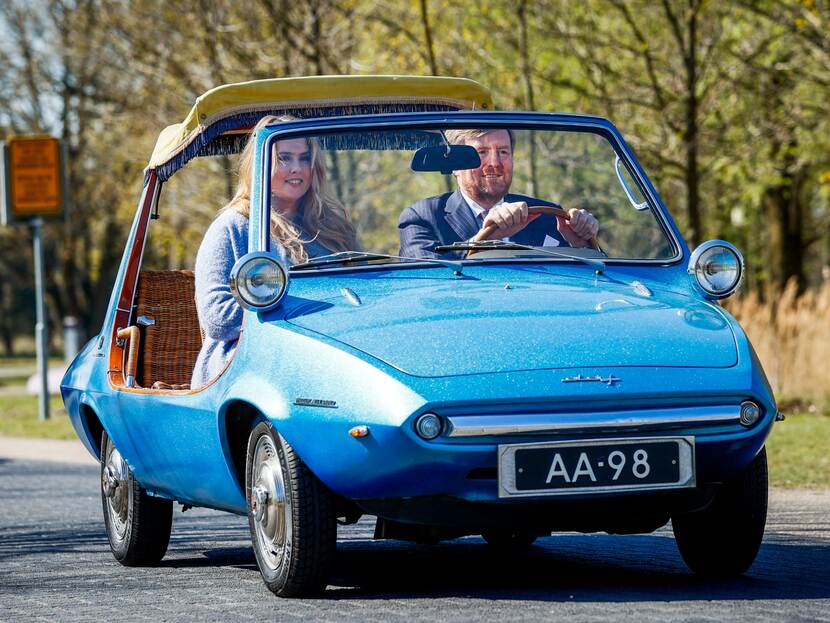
pixel 568 467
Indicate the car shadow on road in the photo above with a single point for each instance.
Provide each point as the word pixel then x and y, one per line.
pixel 560 568
pixel 16 540
pixel 571 567
pixel 565 567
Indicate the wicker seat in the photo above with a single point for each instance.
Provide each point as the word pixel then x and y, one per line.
pixel 171 337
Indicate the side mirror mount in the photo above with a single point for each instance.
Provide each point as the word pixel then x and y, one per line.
pixel 259 281
pixel 716 268
pixel 445 158
pixel 622 173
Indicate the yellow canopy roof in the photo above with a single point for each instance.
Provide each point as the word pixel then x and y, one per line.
pixel 233 107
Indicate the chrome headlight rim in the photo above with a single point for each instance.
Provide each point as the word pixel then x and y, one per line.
pixel 428 433
pixel 751 413
pixel 239 273
pixel 694 266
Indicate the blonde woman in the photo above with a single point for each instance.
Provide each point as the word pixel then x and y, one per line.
pixel 305 222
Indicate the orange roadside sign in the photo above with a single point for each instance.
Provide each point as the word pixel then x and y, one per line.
pixel 34 166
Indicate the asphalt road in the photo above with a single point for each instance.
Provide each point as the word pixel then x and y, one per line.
pixel 55 564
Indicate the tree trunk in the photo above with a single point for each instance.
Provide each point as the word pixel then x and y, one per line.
pixel 5 319
pixel 530 102
pixel 316 38
pixel 695 232
pixel 433 65
pixel 783 207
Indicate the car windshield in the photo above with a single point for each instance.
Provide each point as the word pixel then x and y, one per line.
pixel 459 193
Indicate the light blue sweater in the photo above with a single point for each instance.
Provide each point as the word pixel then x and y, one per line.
pixel 220 315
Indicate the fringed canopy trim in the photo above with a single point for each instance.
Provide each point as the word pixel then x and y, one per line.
pixel 228 109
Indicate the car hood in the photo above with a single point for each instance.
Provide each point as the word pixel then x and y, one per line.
pixel 446 327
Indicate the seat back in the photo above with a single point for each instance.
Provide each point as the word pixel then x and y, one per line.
pixel 171 337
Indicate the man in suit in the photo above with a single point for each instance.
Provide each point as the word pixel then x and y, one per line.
pixel 482 199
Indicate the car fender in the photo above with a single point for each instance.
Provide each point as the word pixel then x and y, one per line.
pixel 748 361
pixel 78 404
pixel 316 394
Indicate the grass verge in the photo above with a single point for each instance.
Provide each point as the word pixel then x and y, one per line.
pixel 18 418
pixel 27 360
pixel 797 451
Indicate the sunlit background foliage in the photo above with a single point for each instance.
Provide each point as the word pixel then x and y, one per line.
pixel 726 103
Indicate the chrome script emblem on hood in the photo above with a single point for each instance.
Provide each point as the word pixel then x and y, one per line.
pixel 611 380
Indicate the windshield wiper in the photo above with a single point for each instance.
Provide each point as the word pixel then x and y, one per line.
pixel 482 245
pixel 346 257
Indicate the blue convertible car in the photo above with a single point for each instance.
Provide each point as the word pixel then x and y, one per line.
pixel 441 377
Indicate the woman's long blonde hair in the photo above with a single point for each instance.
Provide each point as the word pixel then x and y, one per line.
pixel 321 213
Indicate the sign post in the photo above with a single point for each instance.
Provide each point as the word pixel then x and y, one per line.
pixel 41 328
pixel 33 188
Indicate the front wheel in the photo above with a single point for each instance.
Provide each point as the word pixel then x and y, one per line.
pixel 723 539
pixel 138 525
pixel 290 515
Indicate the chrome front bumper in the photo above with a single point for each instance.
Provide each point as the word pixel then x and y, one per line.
pixel 589 422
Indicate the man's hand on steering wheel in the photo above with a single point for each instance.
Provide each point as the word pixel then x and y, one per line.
pixel 580 229
pixel 508 218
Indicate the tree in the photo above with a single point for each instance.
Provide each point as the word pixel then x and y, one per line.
pixel 716 98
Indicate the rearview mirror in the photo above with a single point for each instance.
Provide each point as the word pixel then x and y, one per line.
pixel 445 159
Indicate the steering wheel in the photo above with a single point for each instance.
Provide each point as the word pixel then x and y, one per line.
pixel 485 233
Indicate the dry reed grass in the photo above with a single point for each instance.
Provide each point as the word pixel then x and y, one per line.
pixel 791 335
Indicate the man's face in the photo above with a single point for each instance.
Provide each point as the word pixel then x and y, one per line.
pixel 490 182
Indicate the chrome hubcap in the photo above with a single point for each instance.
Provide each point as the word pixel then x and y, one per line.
pixel 259 501
pixel 270 508
pixel 114 485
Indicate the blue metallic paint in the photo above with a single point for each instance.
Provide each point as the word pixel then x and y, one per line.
pixel 423 341
pixel 561 318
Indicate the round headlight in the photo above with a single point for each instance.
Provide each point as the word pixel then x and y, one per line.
pixel 428 426
pixel 258 281
pixel 717 267
pixel 750 412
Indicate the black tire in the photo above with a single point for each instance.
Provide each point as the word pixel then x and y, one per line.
pixel 290 515
pixel 723 539
pixel 138 525
pixel 509 539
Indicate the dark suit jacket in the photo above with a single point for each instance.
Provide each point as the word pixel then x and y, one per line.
pixel 447 218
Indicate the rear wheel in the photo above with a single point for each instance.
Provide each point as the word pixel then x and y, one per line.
pixel 138 525
pixel 723 539
pixel 290 515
